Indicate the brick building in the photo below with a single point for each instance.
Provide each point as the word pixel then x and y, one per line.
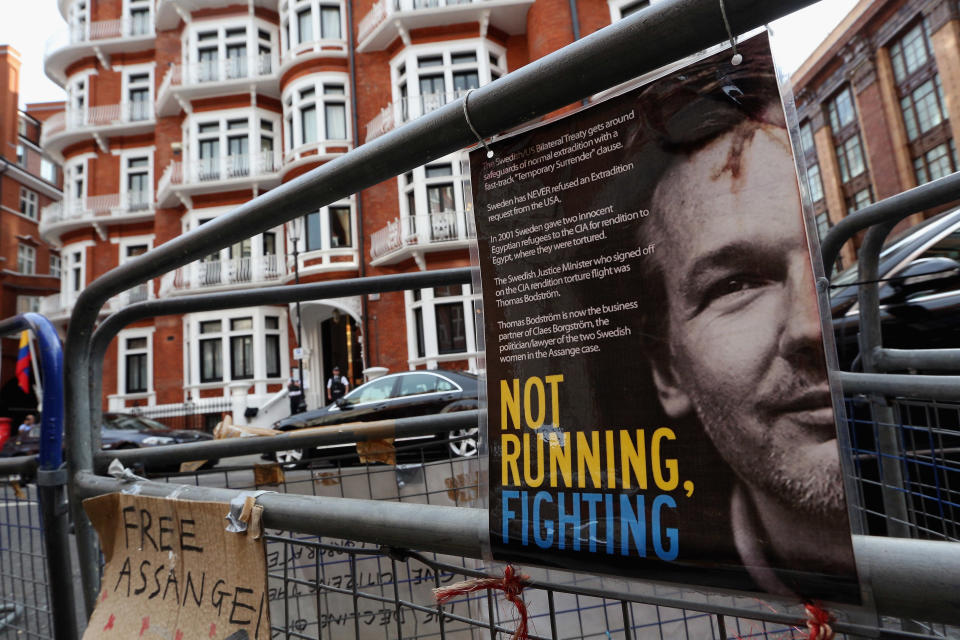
pixel 179 110
pixel 875 102
pixel 29 181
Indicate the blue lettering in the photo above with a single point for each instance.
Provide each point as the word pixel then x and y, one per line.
pixel 664 554
pixel 507 514
pixel 524 537
pixel 542 542
pixel 592 499
pixel 573 520
pixel 632 525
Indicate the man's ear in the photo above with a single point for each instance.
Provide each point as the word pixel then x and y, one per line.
pixel 674 400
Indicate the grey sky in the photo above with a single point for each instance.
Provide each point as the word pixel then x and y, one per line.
pixel 29 24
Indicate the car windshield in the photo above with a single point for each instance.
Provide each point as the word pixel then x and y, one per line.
pixel 133 423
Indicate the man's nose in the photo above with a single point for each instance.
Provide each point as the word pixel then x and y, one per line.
pixel 801 330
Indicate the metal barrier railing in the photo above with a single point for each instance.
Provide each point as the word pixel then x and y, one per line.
pixel 911 578
pixel 51 478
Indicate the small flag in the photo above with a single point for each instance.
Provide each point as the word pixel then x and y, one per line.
pixel 23 362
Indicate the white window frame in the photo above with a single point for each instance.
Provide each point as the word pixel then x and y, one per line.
pixel 73 171
pixel 75 256
pixel 427 305
pixel 293 104
pixel 195 217
pixel 56 265
pixel 125 157
pixel 325 237
pixel 290 26
pixel 127 84
pixel 29 304
pixel 255 65
pixel 617 7
pixel 123 352
pixel 26 259
pixel 29 203
pixel 79 20
pixel 417 182
pixel 404 68
pixel 259 165
pixel 258 315
pixel 128 7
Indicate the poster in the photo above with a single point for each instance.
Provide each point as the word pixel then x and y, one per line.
pixel 172 571
pixel 658 395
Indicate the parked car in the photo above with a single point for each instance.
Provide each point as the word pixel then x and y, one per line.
pixel 398 395
pixel 919 292
pixel 118 431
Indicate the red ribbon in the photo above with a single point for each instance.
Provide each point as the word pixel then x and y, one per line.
pixel 818 623
pixel 512 584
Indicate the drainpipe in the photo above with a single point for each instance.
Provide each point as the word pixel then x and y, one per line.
pixel 575 19
pixel 351 44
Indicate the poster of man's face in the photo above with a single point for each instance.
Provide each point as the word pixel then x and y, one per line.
pixel 658 396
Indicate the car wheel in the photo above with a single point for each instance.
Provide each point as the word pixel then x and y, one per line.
pixel 464 442
pixel 289 456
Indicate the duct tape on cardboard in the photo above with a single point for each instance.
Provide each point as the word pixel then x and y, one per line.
pixel 172 571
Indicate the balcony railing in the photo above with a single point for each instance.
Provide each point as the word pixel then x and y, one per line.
pixel 383 8
pixel 135 27
pixel 98 116
pixel 213 169
pixel 406 109
pixel 422 230
pixel 94 206
pixel 139 293
pixel 217 70
pixel 218 273
pixel 328 46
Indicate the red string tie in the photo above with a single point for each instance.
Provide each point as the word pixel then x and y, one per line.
pixel 818 623
pixel 512 584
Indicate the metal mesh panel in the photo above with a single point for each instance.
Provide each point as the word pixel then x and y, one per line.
pixel 24 585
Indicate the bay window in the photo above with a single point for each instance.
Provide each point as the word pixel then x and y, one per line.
pixel 315 110
pixel 440 322
pixel 243 344
pixel 307 21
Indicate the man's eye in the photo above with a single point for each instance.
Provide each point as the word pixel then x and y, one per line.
pixel 731 286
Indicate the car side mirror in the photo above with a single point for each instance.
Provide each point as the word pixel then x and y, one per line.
pixel 343 403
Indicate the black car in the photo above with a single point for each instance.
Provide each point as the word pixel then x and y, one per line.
pixel 398 395
pixel 118 431
pixel 919 274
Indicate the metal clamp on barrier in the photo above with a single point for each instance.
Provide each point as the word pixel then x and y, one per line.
pixel 52 477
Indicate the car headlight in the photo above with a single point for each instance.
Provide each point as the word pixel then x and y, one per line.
pixel 155 440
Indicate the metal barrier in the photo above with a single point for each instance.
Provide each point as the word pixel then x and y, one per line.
pixel 912 579
pixel 34 547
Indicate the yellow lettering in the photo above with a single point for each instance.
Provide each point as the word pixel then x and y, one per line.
pixel 559 459
pixel 588 459
pixel 510 451
pixel 509 403
pixel 554 381
pixel 532 422
pixel 669 483
pixel 532 481
pixel 632 459
pixel 611 460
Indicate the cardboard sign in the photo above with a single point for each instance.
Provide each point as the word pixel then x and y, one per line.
pixel 659 404
pixel 172 572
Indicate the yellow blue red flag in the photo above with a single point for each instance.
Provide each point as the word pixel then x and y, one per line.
pixel 23 362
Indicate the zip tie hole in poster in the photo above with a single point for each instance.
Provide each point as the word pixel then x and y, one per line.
pixel 737 58
pixel 466 115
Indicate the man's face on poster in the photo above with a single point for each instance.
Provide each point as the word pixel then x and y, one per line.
pixel 744 351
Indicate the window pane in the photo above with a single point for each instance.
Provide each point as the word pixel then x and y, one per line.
pixel 241 357
pixel 211 365
pixel 418 324
pixel 271 322
pixel 465 80
pixel 136 343
pixel 377 390
pixel 330 22
pixel 305 25
pixel 813 180
pixel 451 336
pixel 241 324
pixel 308 124
pixel 927 106
pixel 335 116
pixel 806 138
pixel 440 198
pixel 272 345
pixel 314 236
pixel 136 381
pixel 340 227
pixel 210 326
